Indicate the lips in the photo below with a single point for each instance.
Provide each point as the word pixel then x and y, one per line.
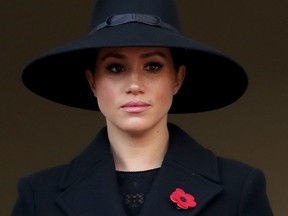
pixel 135 107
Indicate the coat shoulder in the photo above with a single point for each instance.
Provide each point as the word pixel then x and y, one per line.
pixel 48 178
pixel 231 168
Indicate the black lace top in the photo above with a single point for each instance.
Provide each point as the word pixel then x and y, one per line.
pixel 133 187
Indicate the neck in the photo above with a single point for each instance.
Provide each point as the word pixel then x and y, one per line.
pixel 138 152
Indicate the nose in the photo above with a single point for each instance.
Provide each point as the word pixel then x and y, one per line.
pixel 135 85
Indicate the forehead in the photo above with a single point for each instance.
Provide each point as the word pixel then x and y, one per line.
pixel 134 51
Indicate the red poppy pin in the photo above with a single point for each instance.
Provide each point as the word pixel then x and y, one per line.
pixel 182 200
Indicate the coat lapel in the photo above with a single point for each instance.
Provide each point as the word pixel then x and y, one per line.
pixel 90 185
pixel 188 166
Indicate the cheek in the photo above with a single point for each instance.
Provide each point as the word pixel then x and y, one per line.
pixel 105 94
pixel 167 86
pixel 165 92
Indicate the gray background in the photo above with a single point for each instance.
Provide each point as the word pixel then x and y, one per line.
pixel 37 134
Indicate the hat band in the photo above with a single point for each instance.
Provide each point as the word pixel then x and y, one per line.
pixel 120 19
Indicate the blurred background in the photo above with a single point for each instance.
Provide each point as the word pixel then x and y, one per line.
pixel 37 134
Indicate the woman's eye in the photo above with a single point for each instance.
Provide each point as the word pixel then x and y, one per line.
pixel 153 66
pixel 115 68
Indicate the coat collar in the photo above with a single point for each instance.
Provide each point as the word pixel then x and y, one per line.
pixel 185 152
pixel 90 187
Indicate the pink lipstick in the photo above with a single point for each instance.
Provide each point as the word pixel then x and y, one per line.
pixel 135 107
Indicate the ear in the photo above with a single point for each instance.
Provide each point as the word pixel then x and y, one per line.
pixel 90 80
pixel 179 78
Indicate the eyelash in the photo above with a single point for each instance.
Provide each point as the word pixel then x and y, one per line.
pixel 114 68
pixel 156 66
pixel 118 68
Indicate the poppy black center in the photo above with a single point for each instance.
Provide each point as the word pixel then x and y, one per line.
pixel 183 199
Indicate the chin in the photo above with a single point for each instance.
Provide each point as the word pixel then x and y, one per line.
pixel 140 125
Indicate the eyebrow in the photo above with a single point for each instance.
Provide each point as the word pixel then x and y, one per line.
pixel 112 55
pixel 122 56
pixel 156 53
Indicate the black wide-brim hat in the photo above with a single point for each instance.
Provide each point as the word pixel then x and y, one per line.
pixel 213 80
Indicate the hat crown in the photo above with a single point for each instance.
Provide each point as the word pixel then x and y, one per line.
pixel 166 10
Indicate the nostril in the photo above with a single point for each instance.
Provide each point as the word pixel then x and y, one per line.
pixel 134 89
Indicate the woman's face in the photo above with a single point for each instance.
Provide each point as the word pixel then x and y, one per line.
pixel 134 87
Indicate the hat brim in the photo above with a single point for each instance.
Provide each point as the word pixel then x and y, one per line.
pixel 212 80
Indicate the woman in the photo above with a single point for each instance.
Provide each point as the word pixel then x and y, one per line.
pixel 136 67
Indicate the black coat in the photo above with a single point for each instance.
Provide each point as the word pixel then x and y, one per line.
pixel 88 185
